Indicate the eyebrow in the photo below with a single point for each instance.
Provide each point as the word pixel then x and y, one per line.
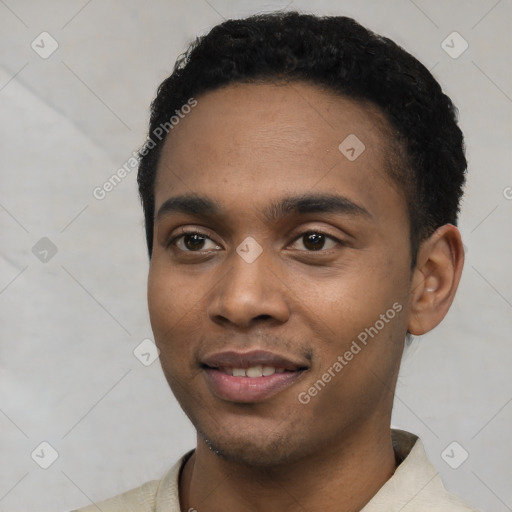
pixel 203 206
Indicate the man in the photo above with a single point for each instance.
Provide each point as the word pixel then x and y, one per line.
pixel 300 185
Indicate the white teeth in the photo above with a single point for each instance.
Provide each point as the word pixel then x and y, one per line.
pixel 268 370
pixel 255 371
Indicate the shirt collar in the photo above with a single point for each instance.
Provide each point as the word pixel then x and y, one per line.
pixel 415 485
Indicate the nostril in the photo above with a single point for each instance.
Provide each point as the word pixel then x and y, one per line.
pixel 263 317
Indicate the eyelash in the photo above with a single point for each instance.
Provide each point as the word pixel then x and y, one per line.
pixel 184 232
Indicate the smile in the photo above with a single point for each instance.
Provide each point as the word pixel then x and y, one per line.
pixel 252 372
pixel 250 377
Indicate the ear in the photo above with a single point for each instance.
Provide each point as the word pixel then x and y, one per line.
pixel 435 279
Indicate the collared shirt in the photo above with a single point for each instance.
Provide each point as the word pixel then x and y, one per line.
pixel 414 487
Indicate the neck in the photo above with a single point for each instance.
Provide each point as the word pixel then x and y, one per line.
pixel 344 477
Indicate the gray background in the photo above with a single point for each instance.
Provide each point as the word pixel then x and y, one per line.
pixel 69 325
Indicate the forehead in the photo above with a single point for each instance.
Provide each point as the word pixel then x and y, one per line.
pixel 260 140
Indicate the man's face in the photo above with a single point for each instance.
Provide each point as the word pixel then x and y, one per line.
pixel 237 282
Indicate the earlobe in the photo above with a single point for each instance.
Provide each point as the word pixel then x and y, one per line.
pixel 435 279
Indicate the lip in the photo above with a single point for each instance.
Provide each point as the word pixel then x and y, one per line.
pixel 247 389
pixel 234 359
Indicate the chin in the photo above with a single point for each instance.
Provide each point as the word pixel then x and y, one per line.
pixel 251 440
pixel 252 451
pixel 246 437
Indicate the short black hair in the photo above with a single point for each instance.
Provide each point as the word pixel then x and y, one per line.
pixel 338 54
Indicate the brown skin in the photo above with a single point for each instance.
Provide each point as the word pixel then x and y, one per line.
pixel 246 146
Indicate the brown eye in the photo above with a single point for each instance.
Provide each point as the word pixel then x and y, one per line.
pixel 316 241
pixel 193 242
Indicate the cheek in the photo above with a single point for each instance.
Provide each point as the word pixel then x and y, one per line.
pixel 369 309
pixel 358 297
pixel 160 304
pixel 170 296
pixel 174 313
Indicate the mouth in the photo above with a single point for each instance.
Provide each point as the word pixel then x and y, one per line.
pixel 250 377
pixel 253 372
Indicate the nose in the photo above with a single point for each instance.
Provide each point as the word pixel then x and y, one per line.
pixel 248 294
